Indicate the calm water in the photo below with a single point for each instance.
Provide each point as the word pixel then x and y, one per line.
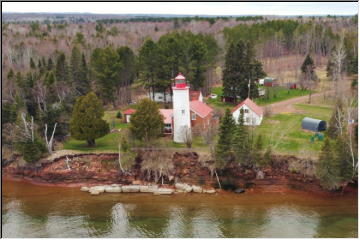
pixel 37 211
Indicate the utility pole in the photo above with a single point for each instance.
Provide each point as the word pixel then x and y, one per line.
pixel 249 89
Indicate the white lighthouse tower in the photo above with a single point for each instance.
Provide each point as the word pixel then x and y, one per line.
pixel 181 108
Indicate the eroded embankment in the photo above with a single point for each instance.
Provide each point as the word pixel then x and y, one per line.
pixel 285 173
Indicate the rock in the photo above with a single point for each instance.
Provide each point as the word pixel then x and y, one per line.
pixel 164 191
pixel 148 189
pixel 130 188
pixel 196 189
pixel 99 189
pixel 183 187
pixel 116 185
pixel 94 192
pixel 260 175
pixel 113 189
pixel 209 191
pixel 239 190
pixel 84 189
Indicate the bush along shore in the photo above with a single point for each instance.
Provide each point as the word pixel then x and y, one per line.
pixel 163 173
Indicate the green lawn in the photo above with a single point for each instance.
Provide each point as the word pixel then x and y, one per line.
pixel 276 94
pixel 283 131
pixel 107 143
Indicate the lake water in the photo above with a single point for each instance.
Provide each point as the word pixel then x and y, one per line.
pixel 37 211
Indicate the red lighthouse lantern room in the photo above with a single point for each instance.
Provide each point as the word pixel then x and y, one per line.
pixel 180 81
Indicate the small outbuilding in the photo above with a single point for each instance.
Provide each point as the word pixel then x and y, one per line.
pixel 128 114
pixel 312 124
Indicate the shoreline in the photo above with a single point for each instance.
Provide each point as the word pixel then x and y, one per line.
pixel 261 189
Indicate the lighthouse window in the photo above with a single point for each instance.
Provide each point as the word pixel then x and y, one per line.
pixel 183 112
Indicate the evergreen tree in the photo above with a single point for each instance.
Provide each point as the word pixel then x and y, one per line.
pixel 328 167
pixel 241 67
pixel 50 64
pixel 147 123
pixel 223 150
pixel 257 151
pixel 32 63
pixel 79 73
pixel 241 141
pixel 61 70
pixel 149 64
pixel 107 67
pixel 198 56
pixel 86 122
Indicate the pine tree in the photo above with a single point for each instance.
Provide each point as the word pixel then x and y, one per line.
pixel 241 67
pixel 86 122
pixel 308 78
pixel 198 53
pixel 107 67
pixel 50 64
pixel 149 64
pixel 147 123
pixel 241 141
pixel 223 151
pixel 61 70
pixel 328 167
pixel 257 151
pixel 32 63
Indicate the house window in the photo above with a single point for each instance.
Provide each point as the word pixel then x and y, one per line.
pixel 160 97
pixel 246 110
pixel 247 120
pixel 193 116
pixel 183 112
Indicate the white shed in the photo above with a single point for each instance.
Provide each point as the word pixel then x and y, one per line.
pixel 253 114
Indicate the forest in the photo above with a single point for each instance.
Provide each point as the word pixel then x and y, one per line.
pixel 48 66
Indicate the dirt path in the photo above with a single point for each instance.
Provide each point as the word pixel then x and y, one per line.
pixel 287 106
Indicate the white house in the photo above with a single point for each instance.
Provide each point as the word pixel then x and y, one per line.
pixel 159 97
pixel 253 114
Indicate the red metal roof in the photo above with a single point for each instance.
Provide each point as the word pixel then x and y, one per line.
pixel 180 77
pixel 200 108
pixel 167 114
pixel 248 102
pixel 194 95
pixel 129 111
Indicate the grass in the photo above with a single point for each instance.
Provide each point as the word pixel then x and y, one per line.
pixel 276 94
pixel 107 143
pixel 283 131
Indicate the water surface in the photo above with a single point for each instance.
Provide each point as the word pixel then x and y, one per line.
pixel 38 211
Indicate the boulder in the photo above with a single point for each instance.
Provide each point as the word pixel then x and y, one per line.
pixel 94 192
pixel 183 187
pixel 84 189
pixel 113 189
pixel 239 190
pixel 164 191
pixel 197 189
pixel 130 188
pixel 99 189
pixel 148 189
pixel 209 191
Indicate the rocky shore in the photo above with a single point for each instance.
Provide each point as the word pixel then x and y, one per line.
pixel 151 188
pixel 99 173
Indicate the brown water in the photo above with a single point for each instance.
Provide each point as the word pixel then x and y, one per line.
pixel 38 211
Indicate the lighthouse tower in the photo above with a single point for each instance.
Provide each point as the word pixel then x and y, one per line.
pixel 181 108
